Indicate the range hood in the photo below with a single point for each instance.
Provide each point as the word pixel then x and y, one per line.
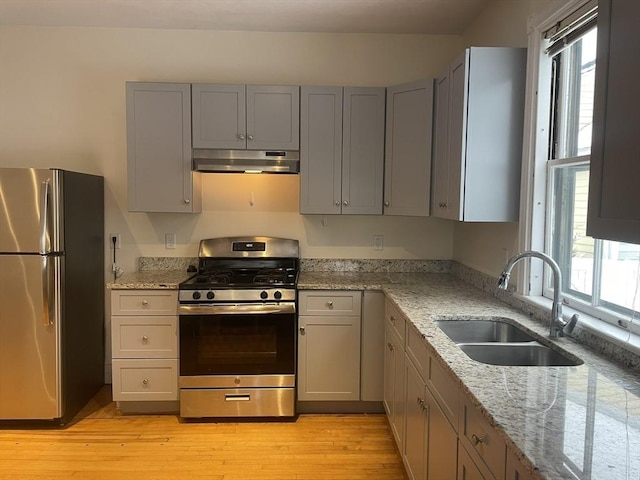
pixel 246 161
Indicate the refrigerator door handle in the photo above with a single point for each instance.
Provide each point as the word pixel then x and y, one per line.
pixel 45 234
pixel 48 293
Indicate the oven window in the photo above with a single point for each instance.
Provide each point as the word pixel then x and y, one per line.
pixel 261 344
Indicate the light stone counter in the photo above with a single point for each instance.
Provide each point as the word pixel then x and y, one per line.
pixel 150 280
pixel 586 416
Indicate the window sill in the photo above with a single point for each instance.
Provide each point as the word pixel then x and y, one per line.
pixel 603 330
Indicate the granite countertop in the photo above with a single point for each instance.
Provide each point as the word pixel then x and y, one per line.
pixel 586 418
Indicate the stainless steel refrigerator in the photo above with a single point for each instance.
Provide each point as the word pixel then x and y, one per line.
pixel 51 293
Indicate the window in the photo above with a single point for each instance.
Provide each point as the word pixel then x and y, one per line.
pixel 601 278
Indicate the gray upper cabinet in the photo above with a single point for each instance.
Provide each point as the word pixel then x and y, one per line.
pixel 614 196
pixel 342 150
pixel 254 117
pixel 407 177
pixel 159 149
pixel 479 112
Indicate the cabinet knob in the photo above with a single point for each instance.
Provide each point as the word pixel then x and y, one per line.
pixel 250 137
pixel 390 346
pixel 145 339
pixel 145 382
pixel 393 319
pixel 145 302
pixel 187 201
pixel 303 331
pixel 330 304
pixel 241 136
pixel 476 439
pixel 345 203
pixel 337 203
pixel 386 204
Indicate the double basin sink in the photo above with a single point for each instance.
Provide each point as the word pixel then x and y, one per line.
pixel 498 342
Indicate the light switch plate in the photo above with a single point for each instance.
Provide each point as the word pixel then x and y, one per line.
pixel 378 242
pixel 170 241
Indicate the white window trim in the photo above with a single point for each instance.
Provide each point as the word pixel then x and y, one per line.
pixel 533 186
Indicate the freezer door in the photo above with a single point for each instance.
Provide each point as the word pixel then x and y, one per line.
pixel 25 193
pixel 29 340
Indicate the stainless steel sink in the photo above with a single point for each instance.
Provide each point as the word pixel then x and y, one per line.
pixel 497 342
pixel 517 354
pixel 475 331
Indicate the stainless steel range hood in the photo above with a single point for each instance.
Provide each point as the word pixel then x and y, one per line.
pixel 246 161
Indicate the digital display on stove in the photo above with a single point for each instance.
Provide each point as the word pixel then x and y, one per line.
pixel 249 246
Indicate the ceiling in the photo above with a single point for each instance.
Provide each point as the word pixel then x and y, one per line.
pixel 436 17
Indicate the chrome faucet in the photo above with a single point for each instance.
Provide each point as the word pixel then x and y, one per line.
pixel 558 326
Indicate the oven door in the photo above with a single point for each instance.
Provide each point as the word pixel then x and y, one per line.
pixel 224 346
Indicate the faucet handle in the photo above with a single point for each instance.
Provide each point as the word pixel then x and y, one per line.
pixel 571 323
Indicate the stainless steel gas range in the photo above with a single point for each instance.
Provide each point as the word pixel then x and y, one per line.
pixel 238 325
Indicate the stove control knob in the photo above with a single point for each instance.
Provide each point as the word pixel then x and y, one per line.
pixel 277 295
pixel 211 295
pixel 196 295
pixel 263 295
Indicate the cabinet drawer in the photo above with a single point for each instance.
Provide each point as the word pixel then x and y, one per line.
pixel 323 302
pixel 394 320
pixel 144 337
pixel 144 302
pixel 482 439
pixel 139 380
pixel 445 389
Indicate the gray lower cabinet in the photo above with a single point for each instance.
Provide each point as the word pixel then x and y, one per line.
pixel 329 345
pixel 407 176
pixel 144 346
pixel 394 381
pixel 478 124
pixel 159 149
pixel 341 150
pixel 254 117
pixel 614 196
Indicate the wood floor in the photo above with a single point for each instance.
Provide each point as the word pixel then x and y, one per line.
pixel 102 444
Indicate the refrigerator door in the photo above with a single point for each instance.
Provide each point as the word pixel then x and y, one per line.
pixel 30 379
pixel 29 218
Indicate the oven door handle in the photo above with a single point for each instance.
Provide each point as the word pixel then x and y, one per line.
pixel 237 309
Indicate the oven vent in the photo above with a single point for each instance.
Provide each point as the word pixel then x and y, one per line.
pixel 246 161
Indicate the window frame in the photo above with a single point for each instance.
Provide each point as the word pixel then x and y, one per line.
pixel 533 283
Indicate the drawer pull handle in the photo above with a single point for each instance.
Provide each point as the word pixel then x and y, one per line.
pixel 393 319
pixel 303 331
pixel 237 398
pixel 476 439
pixel 330 304
pixel 145 382
pixel 145 303
pixel 390 346
pixel 145 339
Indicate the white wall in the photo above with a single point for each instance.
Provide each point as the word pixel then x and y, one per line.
pixel 484 246
pixel 62 104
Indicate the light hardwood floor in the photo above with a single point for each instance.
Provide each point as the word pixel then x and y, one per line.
pixel 102 444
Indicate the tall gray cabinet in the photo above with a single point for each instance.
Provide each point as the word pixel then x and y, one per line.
pixel 341 150
pixel 614 196
pixel 479 104
pixel 407 177
pixel 159 148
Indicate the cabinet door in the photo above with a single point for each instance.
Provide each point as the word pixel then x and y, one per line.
pixel 363 151
pixel 457 135
pixel 442 441
pixel 414 450
pixel 467 470
pixel 159 149
pixel 321 150
pixel 219 116
pixel 614 196
pixel 329 358
pixel 407 177
pixel 440 179
pixel 394 384
pixel 273 117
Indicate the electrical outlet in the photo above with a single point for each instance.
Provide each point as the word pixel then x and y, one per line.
pixel 378 242
pixel 170 241
pixel 117 240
